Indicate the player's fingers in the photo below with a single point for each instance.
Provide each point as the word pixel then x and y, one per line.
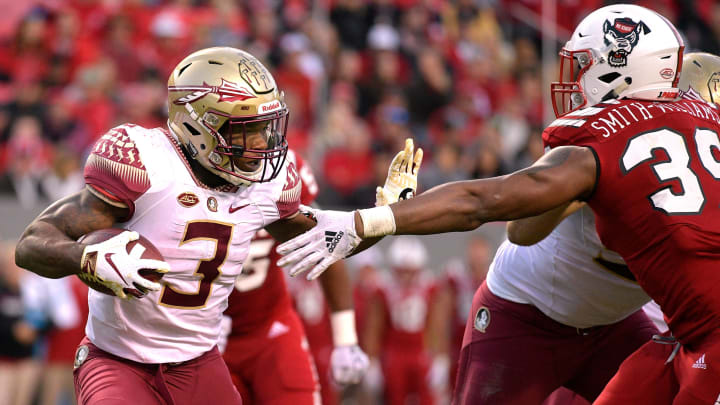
pixel 157 265
pixel 118 290
pixel 395 163
pixel 293 257
pixel 321 267
pixel 147 284
pixel 293 244
pixel 417 161
pixel 130 236
pixel 306 263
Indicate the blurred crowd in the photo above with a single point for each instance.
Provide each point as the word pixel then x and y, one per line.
pixel 463 77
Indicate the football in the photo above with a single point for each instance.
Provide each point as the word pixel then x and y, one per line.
pixel 150 252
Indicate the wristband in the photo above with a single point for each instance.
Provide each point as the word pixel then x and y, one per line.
pixel 378 221
pixel 343 328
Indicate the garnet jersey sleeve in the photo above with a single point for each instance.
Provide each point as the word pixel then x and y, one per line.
pixel 309 184
pixel 114 170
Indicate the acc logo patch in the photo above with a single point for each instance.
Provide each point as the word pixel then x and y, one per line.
pixel 188 200
pixel 81 355
pixel 212 204
pixel 482 319
pixel 622 34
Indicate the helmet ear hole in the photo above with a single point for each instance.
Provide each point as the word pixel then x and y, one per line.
pixel 609 77
pixel 191 129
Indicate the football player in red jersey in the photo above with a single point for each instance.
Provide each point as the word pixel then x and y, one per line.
pixel 397 322
pixel 199 190
pixel 646 165
pixel 264 331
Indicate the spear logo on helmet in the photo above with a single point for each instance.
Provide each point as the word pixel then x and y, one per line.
pixel 228 91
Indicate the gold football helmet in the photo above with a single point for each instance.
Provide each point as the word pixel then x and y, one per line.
pixel 700 77
pixel 227 112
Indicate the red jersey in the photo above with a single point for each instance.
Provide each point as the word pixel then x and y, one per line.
pixel 260 291
pixel 406 313
pixel 657 199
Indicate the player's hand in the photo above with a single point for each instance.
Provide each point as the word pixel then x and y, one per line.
pixel 374 380
pixel 332 239
pixel 439 374
pixel 110 263
pixel 348 364
pixel 401 182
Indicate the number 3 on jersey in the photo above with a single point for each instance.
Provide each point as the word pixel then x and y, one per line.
pixel 208 269
pixel 691 200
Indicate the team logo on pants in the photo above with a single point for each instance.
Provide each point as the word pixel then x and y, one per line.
pixel 482 319
pixel 81 355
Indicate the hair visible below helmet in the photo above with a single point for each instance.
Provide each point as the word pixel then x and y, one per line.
pixel 700 78
pixel 618 51
pixel 407 252
pixel 217 92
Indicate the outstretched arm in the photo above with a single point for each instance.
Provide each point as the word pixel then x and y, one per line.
pixel 565 174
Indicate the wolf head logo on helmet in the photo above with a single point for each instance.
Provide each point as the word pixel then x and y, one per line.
pixel 623 34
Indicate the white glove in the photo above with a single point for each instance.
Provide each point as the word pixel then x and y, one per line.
pixel 439 374
pixel 332 239
pixel 110 264
pixel 348 364
pixel 374 380
pixel 401 182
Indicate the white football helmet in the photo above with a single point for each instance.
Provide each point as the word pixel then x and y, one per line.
pixel 618 51
pixel 407 252
pixel 700 78
pixel 218 100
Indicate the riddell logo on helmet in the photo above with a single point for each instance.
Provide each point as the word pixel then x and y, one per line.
pixel 269 107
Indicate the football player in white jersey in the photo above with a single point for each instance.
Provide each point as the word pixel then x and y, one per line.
pixel 199 190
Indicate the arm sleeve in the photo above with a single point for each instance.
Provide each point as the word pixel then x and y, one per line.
pixel 114 170
pixel 289 200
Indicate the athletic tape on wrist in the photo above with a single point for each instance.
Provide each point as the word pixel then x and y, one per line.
pixel 378 221
pixel 343 328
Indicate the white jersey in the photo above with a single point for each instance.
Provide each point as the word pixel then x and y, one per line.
pixel 203 233
pixel 569 276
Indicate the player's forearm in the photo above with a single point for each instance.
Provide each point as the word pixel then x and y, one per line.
pixel 338 293
pixel 564 174
pixel 337 287
pixel 45 250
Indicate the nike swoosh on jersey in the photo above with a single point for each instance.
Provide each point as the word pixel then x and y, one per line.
pixel 108 258
pixel 233 209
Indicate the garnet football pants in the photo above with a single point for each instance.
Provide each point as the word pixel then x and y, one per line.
pixel 105 379
pixel 514 354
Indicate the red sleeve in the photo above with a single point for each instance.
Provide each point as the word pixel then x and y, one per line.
pixel 115 170
pixel 309 191
pixel 289 200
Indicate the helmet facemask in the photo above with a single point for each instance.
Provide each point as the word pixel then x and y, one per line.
pixel 252 149
pixel 567 94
